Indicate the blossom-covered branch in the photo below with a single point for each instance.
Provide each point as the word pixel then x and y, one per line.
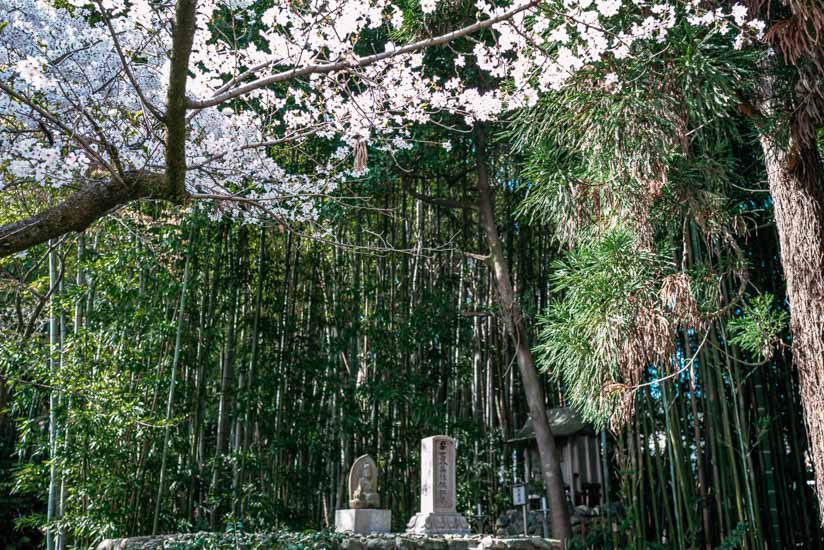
pixel 161 91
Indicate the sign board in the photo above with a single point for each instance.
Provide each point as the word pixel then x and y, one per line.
pixel 518 495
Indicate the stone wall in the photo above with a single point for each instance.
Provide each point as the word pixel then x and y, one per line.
pixel 389 541
pixel 446 542
pixel 511 522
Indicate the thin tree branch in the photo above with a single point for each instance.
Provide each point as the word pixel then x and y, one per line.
pixel 44 299
pixel 440 201
pixel 146 103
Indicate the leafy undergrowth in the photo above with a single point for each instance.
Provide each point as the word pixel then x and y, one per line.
pixel 285 540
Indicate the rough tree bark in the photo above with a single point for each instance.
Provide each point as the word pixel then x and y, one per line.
pixel 796 181
pixel 516 327
pixel 79 210
pixel 795 31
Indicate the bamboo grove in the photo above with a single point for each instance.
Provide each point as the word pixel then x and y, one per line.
pixel 174 373
pixel 174 368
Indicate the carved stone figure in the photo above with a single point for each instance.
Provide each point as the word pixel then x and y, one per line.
pixel 363 484
pixel 363 515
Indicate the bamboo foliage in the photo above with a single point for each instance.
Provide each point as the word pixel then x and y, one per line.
pixel 244 403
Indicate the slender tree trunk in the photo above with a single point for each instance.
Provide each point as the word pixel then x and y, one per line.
pixel 211 287
pixel 181 313
pixel 516 327
pixel 227 379
pixel 703 502
pixel 60 541
pixel 250 409
pixel 78 313
pixel 53 399
pixel 673 443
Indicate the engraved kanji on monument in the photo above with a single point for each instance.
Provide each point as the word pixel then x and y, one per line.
pixel 363 515
pixel 438 514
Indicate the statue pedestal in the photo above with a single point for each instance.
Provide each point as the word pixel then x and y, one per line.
pixel 363 521
pixel 438 523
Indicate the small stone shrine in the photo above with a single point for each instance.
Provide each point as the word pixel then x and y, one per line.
pixel 438 515
pixel 579 451
pixel 363 515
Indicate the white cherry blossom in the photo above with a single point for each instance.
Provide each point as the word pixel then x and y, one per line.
pixel 83 90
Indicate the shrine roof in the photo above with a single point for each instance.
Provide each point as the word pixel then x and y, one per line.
pixel 563 421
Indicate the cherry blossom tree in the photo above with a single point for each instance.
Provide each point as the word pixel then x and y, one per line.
pixel 118 101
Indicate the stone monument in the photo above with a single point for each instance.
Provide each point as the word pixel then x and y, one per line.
pixel 363 515
pixel 438 515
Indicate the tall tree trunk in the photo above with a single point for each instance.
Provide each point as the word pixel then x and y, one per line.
pixel 796 180
pixel 78 316
pixel 250 409
pixel 516 327
pixel 60 505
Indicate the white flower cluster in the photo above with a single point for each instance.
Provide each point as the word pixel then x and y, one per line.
pixel 69 62
pixel 61 62
pixel 429 6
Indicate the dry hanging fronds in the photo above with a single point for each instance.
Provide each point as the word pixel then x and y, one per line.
pixel 361 157
pixel 801 36
pixel 677 298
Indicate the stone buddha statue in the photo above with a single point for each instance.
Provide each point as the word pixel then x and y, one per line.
pixel 363 484
pixel 363 515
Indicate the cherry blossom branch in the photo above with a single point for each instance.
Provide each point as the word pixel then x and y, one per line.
pixel 325 68
pixel 63 128
pixel 146 103
pixel 269 143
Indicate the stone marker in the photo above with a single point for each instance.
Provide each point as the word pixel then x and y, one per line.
pixel 438 514
pixel 363 515
pixel 363 484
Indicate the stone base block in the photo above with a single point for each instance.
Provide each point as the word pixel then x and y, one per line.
pixel 433 523
pixel 363 521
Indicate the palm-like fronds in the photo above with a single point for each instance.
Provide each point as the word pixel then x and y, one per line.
pixel 607 321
